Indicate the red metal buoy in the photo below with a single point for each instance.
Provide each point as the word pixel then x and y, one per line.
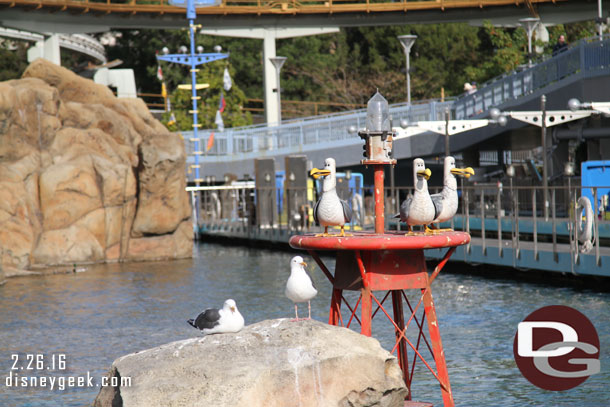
pixel 391 262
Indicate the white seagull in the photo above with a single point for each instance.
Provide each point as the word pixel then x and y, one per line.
pixel 418 209
pixel 219 321
pixel 446 202
pixel 299 287
pixel 330 210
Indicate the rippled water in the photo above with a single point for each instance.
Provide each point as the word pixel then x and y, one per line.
pixel 98 315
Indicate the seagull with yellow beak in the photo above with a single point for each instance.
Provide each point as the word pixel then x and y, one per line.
pixel 330 210
pixel 418 209
pixel 446 202
pixel 299 287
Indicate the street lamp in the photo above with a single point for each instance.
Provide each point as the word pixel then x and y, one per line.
pixel 530 24
pixel 278 62
pixel 407 42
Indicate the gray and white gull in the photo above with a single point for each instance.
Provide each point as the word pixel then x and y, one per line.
pixel 446 202
pixel 215 321
pixel 418 209
pixel 330 210
pixel 299 287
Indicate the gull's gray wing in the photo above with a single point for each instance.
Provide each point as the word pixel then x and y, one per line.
pixel 437 200
pixel 404 208
pixel 315 211
pixel 347 211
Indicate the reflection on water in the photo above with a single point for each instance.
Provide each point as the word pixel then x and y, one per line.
pixel 96 316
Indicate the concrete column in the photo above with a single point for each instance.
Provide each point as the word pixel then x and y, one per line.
pixel 269 35
pixel 269 77
pixel 47 49
pixel 51 49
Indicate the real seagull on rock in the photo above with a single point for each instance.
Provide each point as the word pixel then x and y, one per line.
pixel 330 210
pixel 446 202
pixel 418 209
pixel 215 321
pixel 299 287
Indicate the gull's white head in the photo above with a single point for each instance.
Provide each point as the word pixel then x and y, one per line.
pixel 449 165
pixel 230 305
pixel 420 175
pixel 420 170
pixel 451 170
pixel 297 261
pixel 328 172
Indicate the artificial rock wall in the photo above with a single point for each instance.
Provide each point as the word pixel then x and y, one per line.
pixel 86 177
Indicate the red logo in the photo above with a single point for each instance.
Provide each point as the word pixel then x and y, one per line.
pixel 556 348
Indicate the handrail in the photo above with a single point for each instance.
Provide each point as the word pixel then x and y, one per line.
pixel 258 7
pixel 589 57
pixel 309 132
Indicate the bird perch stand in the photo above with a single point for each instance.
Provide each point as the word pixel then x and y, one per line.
pixel 373 263
pixel 390 262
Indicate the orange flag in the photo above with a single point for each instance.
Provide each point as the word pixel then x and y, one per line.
pixel 210 142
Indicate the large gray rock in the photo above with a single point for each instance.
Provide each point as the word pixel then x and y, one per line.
pixel 274 363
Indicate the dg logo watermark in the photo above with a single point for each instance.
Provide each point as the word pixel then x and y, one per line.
pixel 556 348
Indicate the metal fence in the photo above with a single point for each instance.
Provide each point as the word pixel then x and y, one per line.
pixel 502 216
pixel 293 135
pixel 589 57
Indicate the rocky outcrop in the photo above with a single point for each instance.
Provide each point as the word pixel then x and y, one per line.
pixel 84 176
pixel 273 363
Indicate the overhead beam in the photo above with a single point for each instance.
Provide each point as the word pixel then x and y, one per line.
pixel 318 14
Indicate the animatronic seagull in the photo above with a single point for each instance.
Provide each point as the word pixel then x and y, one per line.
pixel 299 287
pixel 446 202
pixel 418 208
pixel 330 210
pixel 219 321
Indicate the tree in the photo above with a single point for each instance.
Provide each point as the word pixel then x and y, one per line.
pixel 13 59
pixel 211 73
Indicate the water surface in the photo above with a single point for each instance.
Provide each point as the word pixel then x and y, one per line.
pixel 108 311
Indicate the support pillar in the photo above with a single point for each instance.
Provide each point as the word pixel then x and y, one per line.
pixel 47 49
pixel 269 78
pixel 269 35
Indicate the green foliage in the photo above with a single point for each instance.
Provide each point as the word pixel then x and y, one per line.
pixel 138 50
pixel 13 59
pixel 211 73
pixel 506 50
pixel 344 67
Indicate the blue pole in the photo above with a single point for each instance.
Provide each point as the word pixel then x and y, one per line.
pixel 194 97
pixel 193 61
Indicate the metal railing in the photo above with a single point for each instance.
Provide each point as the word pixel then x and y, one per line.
pixel 498 216
pixel 589 57
pixel 296 135
pixel 258 7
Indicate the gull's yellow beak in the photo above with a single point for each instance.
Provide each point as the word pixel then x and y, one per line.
pixel 233 309
pixel 425 173
pixel 303 264
pixel 463 172
pixel 316 173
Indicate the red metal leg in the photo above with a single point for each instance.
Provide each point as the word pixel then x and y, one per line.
pixel 367 309
pixel 437 348
pixel 322 266
pixel 334 317
pixel 399 318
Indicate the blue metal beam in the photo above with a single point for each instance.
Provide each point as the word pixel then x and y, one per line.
pixel 192 60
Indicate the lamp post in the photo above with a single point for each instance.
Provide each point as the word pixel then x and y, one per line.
pixel 407 42
pixel 193 59
pixel 278 62
pixel 530 24
pixel 545 180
